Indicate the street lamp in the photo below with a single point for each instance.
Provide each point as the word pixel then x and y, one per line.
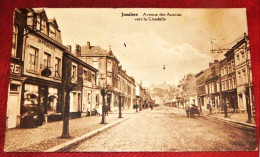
pixel 120 106
pixel 102 87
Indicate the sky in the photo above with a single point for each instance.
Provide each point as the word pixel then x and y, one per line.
pixel 181 43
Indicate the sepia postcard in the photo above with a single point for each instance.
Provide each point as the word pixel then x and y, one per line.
pixel 130 80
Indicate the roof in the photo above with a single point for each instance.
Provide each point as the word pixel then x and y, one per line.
pixel 93 50
pixel 96 51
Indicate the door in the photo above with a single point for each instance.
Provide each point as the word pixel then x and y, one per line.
pixel 44 98
pixel 12 112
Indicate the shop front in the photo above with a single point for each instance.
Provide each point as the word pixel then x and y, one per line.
pixel 40 99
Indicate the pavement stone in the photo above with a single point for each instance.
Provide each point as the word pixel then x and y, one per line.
pixel 47 136
pixel 168 129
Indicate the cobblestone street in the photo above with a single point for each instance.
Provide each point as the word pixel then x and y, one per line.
pixel 48 135
pixel 168 129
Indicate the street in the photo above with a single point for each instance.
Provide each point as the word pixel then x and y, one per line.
pixel 168 129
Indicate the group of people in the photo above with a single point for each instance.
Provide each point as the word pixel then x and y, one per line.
pixel 106 109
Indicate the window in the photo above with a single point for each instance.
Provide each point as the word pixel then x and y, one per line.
pixel 238 59
pixel 38 27
pixel 222 72
pixel 213 89
pixel 223 85
pixel 230 84
pixel 234 82
pixel 14 88
pixel 243 55
pixel 57 67
pixel 244 76
pixel 217 87
pixel 74 72
pixel 43 27
pixel 226 84
pixel 206 89
pixel 52 32
pixel 14 42
pixel 109 66
pixel 85 74
pixel 47 60
pixel 225 70
pixel 229 68
pixel 239 77
pixel 233 65
pixel 33 59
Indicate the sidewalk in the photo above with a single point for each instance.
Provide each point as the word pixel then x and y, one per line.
pixel 239 118
pixel 125 111
pixel 47 136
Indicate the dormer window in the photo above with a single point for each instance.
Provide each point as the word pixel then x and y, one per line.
pixel 43 27
pixel 38 25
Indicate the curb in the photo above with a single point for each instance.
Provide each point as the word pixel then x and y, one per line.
pixel 77 140
pixel 231 121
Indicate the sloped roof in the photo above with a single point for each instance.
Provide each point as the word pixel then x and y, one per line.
pixel 54 22
pixel 96 51
pixel 93 50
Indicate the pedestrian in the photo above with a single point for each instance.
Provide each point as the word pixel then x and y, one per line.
pixel 151 106
pixel 136 107
pixel 100 110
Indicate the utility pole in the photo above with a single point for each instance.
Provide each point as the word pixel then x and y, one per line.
pixel 103 93
pixel 120 106
pixel 248 104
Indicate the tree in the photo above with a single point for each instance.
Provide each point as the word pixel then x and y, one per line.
pixel 68 86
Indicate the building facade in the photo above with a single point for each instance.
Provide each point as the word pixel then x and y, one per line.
pixel 201 92
pixel 83 98
pixel 43 53
pixel 244 75
pixel 212 87
pixel 228 81
pixel 13 117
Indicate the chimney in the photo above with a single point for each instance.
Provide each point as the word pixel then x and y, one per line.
pixel 88 45
pixel 78 50
pixel 69 47
pixel 215 61
pixel 210 64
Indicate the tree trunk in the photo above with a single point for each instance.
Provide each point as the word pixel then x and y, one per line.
pixel 65 131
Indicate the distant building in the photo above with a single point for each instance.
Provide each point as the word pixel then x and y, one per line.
pixel 113 78
pixel 201 91
pixel 212 88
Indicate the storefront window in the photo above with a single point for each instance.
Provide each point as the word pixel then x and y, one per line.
pixel 30 99
pixel 52 100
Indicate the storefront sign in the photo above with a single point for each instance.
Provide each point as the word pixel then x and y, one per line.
pixel 47 44
pixel 15 69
